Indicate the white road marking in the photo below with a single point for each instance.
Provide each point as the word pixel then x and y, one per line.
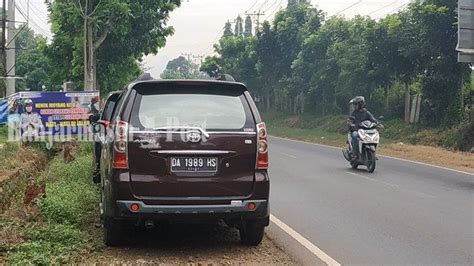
pixel 374 180
pixel 305 242
pixel 385 156
pixel 394 186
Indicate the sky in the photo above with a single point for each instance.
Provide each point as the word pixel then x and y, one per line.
pixel 198 24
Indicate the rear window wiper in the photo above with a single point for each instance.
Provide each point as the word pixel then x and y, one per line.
pixel 186 128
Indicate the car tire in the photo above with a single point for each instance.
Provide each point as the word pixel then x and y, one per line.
pixel 251 233
pixel 113 233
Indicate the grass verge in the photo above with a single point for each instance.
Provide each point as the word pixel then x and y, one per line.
pixel 56 224
pixel 3 134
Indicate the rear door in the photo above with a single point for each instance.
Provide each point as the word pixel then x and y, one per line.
pixel 191 140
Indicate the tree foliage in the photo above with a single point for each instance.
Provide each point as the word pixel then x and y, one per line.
pixel 305 62
pixel 182 68
pixel 32 64
pixel 123 32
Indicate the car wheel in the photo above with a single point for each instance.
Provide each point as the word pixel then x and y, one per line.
pixel 113 232
pixel 354 165
pixel 251 233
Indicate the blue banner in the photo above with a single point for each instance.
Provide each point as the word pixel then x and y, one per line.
pixel 56 113
pixel 3 111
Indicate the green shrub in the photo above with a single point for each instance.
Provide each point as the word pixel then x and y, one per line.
pixel 62 232
pixel 70 195
pixel 49 244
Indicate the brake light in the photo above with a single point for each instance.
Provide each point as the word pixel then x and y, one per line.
pixel 106 123
pixel 262 147
pixel 120 145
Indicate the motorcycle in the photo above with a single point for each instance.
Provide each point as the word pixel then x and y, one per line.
pixel 369 138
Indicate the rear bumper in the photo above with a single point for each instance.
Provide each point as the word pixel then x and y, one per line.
pixel 236 207
pixel 237 210
pixel 119 198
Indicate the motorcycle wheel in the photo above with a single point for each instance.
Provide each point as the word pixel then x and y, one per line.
pixel 354 165
pixel 371 159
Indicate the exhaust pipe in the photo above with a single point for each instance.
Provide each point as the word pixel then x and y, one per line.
pixel 149 224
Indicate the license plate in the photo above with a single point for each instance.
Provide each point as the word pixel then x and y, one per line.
pixel 194 164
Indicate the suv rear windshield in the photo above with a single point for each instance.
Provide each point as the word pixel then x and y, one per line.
pixel 210 107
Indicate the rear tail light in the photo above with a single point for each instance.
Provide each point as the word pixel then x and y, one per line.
pixel 106 123
pixel 120 145
pixel 262 147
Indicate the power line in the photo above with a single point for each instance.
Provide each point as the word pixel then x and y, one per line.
pixel 34 11
pixel 398 8
pixel 349 7
pixel 383 7
pixel 34 25
pixel 254 4
pixel 215 39
pixel 261 6
pixel 223 29
pixel 277 8
pixel 271 6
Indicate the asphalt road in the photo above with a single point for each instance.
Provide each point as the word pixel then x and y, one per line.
pixel 404 213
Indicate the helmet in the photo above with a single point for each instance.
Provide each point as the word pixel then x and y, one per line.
pixel 28 102
pixel 359 100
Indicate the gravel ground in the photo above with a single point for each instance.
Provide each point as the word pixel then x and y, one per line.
pixel 192 245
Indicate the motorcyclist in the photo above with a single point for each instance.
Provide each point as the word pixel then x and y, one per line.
pixel 30 122
pixel 359 114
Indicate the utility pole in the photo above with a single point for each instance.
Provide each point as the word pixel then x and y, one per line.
pixel 188 56
pixel 256 14
pixel 4 42
pixel 10 48
pixel 200 57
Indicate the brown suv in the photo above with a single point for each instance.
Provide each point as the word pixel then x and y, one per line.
pixel 185 151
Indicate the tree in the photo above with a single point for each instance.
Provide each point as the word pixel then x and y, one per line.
pixel 32 62
pixel 181 68
pixel 248 27
pixel 294 3
pixel 239 29
pixel 228 30
pixel 117 33
pixel 303 62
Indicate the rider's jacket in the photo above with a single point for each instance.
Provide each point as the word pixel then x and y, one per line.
pixel 362 115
